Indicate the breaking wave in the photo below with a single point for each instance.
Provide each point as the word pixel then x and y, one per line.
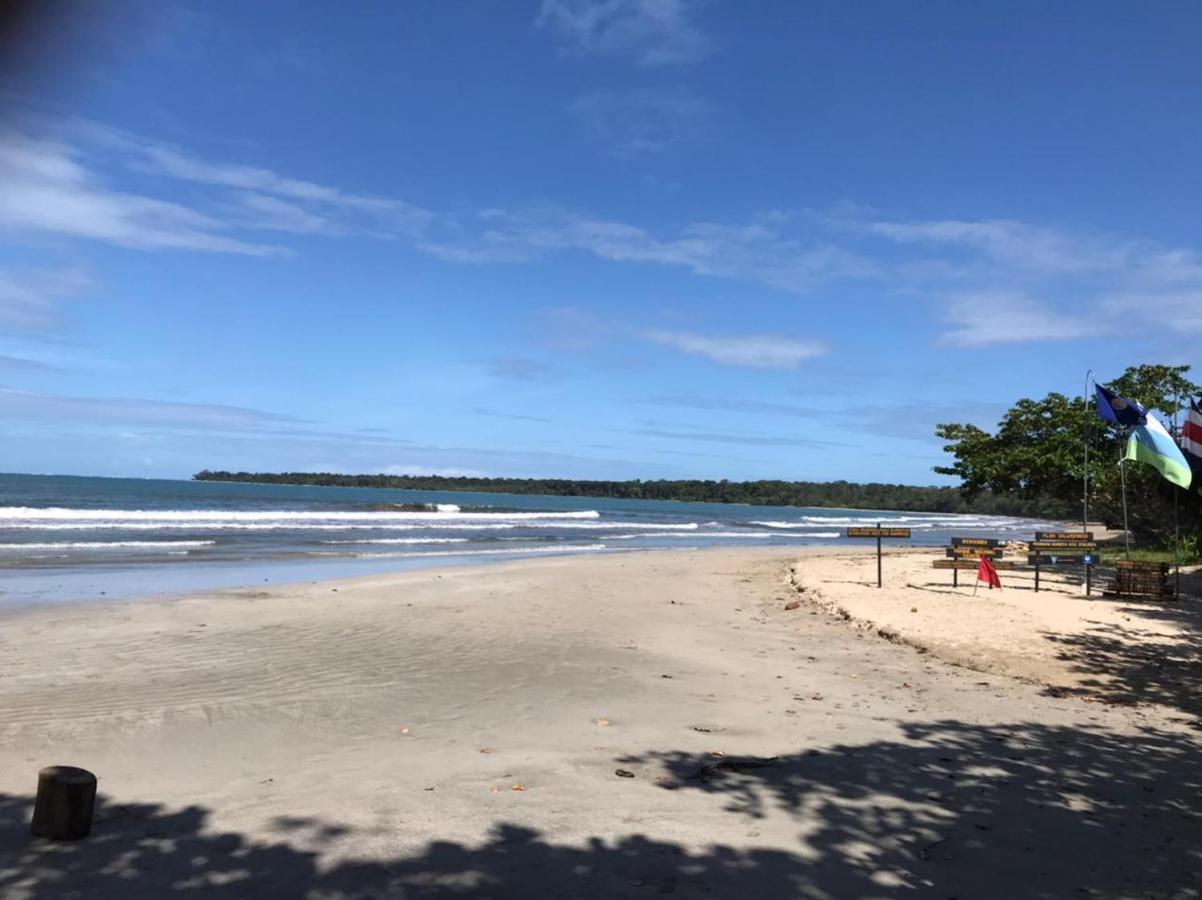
pixel 104 545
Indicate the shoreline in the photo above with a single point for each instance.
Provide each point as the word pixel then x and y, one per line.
pixel 387 575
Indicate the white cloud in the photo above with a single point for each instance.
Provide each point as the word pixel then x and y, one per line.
pixel 1062 285
pixel 44 188
pixel 1174 311
pixel 267 213
pixel 1004 317
pixel 29 406
pixel 174 163
pixel 721 437
pixel 753 351
pixel 1019 245
pixel 32 300
pixel 653 32
pixel 761 250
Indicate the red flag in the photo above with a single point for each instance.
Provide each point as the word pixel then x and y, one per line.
pixel 986 572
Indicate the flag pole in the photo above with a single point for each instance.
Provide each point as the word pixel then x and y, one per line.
pixel 1085 475
pixel 1123 479
pixel 1176 513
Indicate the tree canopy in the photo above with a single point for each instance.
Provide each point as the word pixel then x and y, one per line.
pixel 1036 453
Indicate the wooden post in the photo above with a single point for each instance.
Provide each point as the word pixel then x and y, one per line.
pixel 65 803
pixel 878 557
pixel 1037 574
pixel 955 575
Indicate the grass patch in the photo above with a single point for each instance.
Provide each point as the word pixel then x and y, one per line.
pixel 1110 557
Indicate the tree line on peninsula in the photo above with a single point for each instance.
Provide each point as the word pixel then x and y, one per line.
pixel 830 494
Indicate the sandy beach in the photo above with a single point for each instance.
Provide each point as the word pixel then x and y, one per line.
pixel 628 725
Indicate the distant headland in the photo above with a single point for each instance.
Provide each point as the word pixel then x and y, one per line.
pixel 829 494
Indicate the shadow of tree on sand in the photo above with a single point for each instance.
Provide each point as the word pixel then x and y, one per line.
pixel 145 850
pixel 949 809
pixel 1129 664
pixel 1025 810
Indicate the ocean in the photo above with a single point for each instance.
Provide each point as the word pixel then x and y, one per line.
pixel 65 537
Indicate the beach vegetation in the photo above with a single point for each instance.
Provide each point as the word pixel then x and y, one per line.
pixel 1036 454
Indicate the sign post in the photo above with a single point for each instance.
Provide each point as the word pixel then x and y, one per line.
pixel 972 548
pixel 1055 547
pixel 878 532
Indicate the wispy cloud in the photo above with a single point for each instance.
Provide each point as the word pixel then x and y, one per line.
pixel 18 405
pixel 736 405
pixel 638 122
pixel 21 363
pixel 1061 284
pixel 754 351
pixel 32 300
pixel 720 437
pixel 66 178
pixel 652 32
pixel 1006 317
pixel 1176 311
pixel 907 420
pixel 46 189
pixel 485 411
pixel 761 250
pixel 81 183
pixel 267 213
pixel 519 368
pixel 1020 245
pixel 172 162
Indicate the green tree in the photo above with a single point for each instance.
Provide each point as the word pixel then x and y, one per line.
pixel 1037 454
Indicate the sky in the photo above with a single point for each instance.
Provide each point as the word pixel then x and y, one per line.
pixel 582 238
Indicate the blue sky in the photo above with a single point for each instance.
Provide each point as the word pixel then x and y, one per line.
pixel 583 238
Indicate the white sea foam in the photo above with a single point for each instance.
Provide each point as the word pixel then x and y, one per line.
pixel 573 548
pixel 426 540
pixel 914 522
pixel 105 545
pixel 699 534
pixel 290 525
pixel 24 514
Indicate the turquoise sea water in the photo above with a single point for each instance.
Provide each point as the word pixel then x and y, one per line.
pixel 65 537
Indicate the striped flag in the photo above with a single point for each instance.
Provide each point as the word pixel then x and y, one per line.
pixel 1191 440
pixel 1152 444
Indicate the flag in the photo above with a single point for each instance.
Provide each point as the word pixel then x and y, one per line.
pixel 1118 410
pixel 1152 444
pixel 1191 440
pixel 987 573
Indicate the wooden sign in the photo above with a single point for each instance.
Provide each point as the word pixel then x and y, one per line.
pixel 1141 579
pixel 1146 565
pixel 1056 559
pixel 974 542
pixel 959 564
pixel 1064 535
pixel 1063 546
pixel 975 552
pixel 878 532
